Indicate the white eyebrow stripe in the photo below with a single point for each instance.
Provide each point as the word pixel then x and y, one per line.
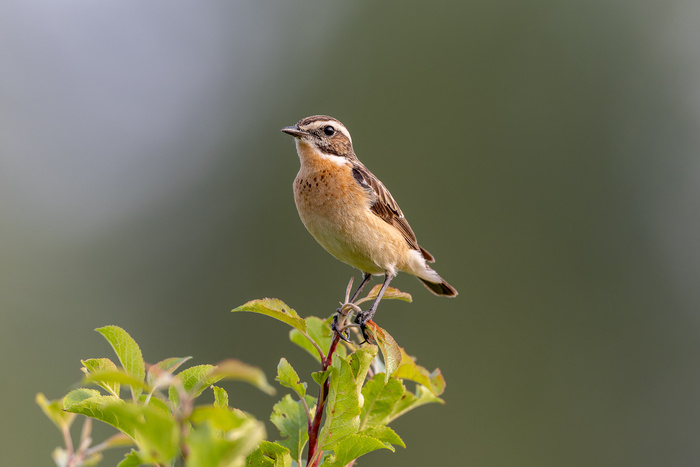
pixel 344 131
pixel 337 125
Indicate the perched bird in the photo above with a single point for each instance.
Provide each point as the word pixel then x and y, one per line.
pixel 352 214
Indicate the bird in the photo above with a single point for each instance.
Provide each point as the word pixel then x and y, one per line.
pixel 352 214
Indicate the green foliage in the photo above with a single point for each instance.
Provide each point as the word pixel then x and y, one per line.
pixel 161 428
pixel 291 419
pixel 358 397
pixel 357 403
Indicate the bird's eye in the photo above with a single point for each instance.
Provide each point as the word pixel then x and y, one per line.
pixel 329 130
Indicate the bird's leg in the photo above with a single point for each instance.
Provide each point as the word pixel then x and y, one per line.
pixel 336 325
pixel 365 278
pixel 365 316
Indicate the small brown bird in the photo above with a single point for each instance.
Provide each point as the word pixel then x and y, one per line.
pixel 352 214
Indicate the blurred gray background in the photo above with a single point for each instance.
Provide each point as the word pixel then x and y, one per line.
pixel 547 153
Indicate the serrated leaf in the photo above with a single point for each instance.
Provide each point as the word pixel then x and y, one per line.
pixel 194 380
pixel 288 377
pixel 410 401
pixel 342 412
pixel 158 404
pixel 320 376
pixel 291 419
pixel 343 404
pixel 76 396
pixel 319 331
pixel 154 432
pixel 232 369
pixel 221 418
pixel 276 309
pixel 220 397
pixel 389 294
pixel 208 446
pixel 127 351
pixel 409 369
pixel 169 365
pixel 391 352
pixel 384 434
pixel 93 365
pixel 114 379
pixel 132 459
pixel 380 398
pixel 353 447
pixel 270 455
pixel 360 362
pixel 302 341
pixel 54 410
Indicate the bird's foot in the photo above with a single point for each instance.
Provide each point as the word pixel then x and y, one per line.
pixel 342 331
pixel 361 319
pixel 341 320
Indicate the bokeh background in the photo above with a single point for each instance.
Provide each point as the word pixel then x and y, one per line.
pixel 546 152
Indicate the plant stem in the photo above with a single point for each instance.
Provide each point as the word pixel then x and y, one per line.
pixel 312 458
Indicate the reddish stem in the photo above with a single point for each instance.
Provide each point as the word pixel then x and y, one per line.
pixel 315 425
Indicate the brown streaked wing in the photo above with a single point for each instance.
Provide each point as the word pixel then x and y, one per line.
pixel 387 209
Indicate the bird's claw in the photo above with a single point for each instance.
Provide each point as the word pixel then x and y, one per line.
pixel 361 319
pixel 336 329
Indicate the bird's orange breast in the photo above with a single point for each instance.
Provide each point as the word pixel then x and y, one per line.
pixel 335 210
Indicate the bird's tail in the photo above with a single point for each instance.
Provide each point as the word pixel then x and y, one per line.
pixel 440 288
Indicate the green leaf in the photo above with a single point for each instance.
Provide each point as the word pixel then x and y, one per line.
pixel 270 455
pixel 154 432
pixel 384 434
pixel 54 410
pixel 91 403
pixel 194 380
pixel 353 447
pixel 360 362
pixel 414 372
pixel 319 331
pixel 276 309
pixel 158 404
pixel 291 419
pixel 232 369
pixel 114 379
pixel 342 407
pixel 343 404
pixel 169 365
pixel 93 365
pixel 380 398
pixel 389 294
pixel 220 397
pixel 221 418
pixel 344 392
pixel 288 377
pixel 77 396
pixel 132 459
pixel 410 401
pixel 222 437
pixel 127 350
pixel 390 349
pixel 320 377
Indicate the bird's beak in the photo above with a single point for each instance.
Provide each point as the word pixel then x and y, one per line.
pixel 294 131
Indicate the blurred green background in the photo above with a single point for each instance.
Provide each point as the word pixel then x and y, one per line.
pixel 547 153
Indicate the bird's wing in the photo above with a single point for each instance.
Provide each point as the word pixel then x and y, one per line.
pixel 385 206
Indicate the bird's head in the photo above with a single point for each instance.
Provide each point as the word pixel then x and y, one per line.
pixel 324 133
